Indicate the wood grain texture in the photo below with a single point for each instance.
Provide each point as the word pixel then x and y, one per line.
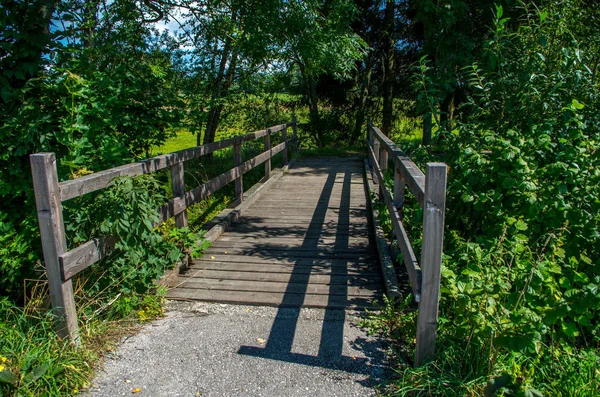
pixel 413 176
pixel 431 260
pixel 52 232
pixel 306 242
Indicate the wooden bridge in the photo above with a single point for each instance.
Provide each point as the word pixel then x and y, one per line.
pixel 305 237
pixel 304 242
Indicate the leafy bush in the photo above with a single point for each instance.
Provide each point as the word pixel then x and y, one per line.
pixel 127 212
pixel 520 298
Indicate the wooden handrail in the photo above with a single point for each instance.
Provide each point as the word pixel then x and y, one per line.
pixel 430 192
pixel 62 265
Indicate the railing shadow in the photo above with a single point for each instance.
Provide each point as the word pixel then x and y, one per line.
pixel 279 345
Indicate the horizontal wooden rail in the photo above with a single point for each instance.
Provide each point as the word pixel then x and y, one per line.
pixel 62 265
pixel 430 192
pixel 412 175
pixel 85 255
pixel 90 183
pixel 410 259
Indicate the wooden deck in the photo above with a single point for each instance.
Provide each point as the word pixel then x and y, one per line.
pixel 305 242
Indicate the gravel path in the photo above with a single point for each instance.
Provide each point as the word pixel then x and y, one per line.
pixel 202 349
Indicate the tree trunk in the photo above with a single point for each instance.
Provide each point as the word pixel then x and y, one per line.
pixel 447 112
pixel 388 68
pixel 427 126
pixel 362 102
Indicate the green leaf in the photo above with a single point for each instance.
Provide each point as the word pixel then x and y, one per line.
pixel 9 377
pixel 37 373
pixel 570 329
pixel 575 104
pixel 520 225
pixel 508 183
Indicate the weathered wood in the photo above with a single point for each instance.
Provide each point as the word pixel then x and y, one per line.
pixel 281 271
pixel 319 247
pixel 399 192
pixel 239 285
pixel 383 165
pixel 268 148
pixel 91 252
pixel 178 185
pixel 410 259
pixel 431 260
pixel 99 180
pixel 82 257
pixel 239 181
pixel 295 131
pixel 375 158
pixel 414 178
pixel 52 231
pixel 274 299
pixel 285 140
pixel 387 265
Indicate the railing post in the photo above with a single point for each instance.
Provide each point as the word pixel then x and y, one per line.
pixel 285 151
pixel 431 260
pixel 295 132
pixel 376 155
pixel 383 164
pixel 239 181
pixel 399 186
pixel 54 244
pixel 178 186
pixel 268 148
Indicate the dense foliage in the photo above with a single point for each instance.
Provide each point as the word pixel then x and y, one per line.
pixel 520 285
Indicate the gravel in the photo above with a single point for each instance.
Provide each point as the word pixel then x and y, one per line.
pixel 202 349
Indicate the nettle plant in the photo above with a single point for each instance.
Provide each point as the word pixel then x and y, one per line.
pixel 523 242
pixel 127 212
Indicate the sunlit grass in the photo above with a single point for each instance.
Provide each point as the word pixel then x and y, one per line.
pixel 183 139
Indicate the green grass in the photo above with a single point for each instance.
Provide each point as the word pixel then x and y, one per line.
pixel 35 362
pixel 182 140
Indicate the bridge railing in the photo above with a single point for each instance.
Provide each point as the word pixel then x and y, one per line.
pixel 429 190
pixel 62 264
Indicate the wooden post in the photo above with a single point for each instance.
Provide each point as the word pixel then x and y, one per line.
pixel 369 142
pixel 295 132
pixel 399 185
pixel 52 231
pixel 383 164
pixel 239 181
pixel 376 155
pixel 285 151
pixel 268 148
pixel 431 260
pixel 178 185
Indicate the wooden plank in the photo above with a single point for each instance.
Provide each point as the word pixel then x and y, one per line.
pixel 294 126
pixel 367 272
pixel 410 259
pixel 290 260
pixel 275 299
pixel 238 285
pixel 399 192
pixel 54 244
pixel 285 139
pixel 415 179
pixel 431 260
pixel 279 253
pixel 178 186
pixel 294 244
pixel 80 258
pixel 345 240
pixel 239 181
pixel 268 148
